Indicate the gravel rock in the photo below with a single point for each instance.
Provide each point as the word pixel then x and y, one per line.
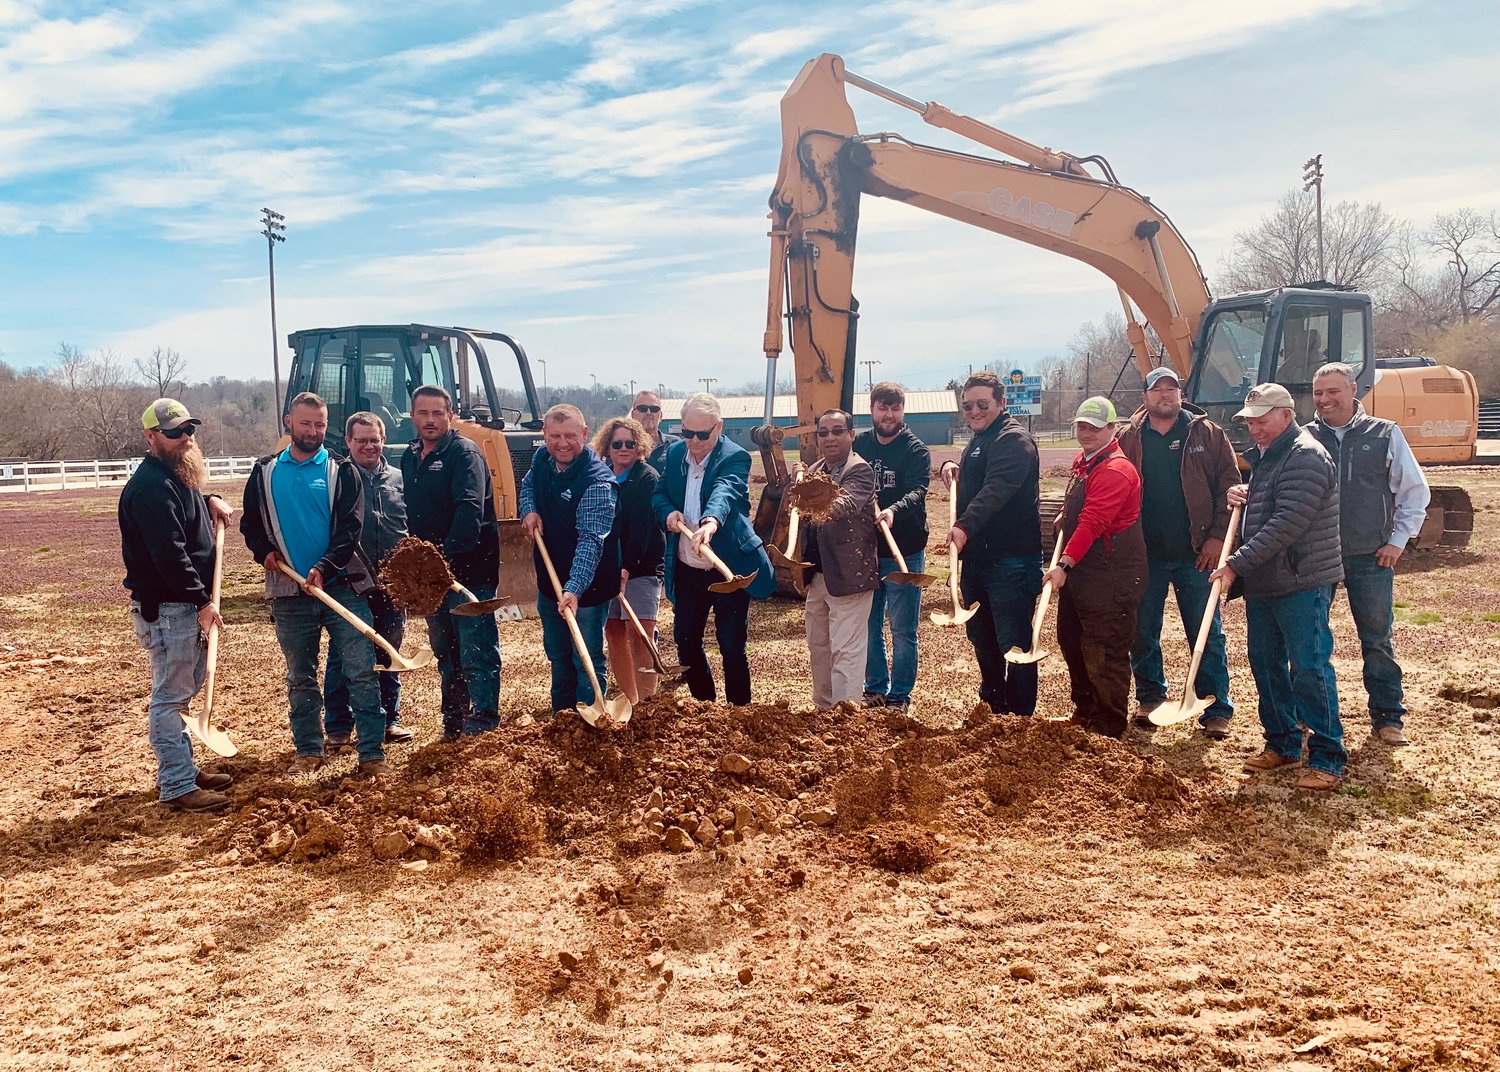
pixel 707 833
pixel 745 976
pixel 1022 969
pixel 392 845
pixel 926 944
pixel 734 763
pixel 820 816
pixel 679 840
pixel 280 842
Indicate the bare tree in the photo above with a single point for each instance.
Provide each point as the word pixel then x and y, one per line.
pixel 1470 246
pixel 108 412
pixel 1282 249
pixel 163 371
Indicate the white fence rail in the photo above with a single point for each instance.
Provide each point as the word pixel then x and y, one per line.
pixel 65 476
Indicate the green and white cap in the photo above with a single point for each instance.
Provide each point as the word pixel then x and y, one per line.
pixel 167 415
pixel 1098 411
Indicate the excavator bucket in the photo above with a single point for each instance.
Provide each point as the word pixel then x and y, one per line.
pixel 517 574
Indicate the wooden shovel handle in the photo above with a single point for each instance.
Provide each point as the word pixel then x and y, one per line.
pixel 1210 608
pixel 212 659
pixel 583 649
pixel 890 540
pixel 338 608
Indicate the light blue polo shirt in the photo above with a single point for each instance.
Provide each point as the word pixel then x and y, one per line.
pixel 300 491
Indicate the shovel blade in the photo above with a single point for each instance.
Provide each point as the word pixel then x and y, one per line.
pixel 213 738
pixel 1170 715
pixel 1016 655
pixel 661 669
pixel 480 606
pixel 921 580
pixel 734 584
pixel 593 713
pixel 422 658
pixel 785 561
pixel 617 711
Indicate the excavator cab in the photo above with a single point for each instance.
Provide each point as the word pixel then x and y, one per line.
pixel 376 367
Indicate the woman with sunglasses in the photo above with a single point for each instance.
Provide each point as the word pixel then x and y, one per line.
pixel 622 443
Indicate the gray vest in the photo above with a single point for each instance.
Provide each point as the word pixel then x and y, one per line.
pixel 1367 507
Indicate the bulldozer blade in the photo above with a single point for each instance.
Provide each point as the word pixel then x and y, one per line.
pixel 1171 714
pixel 1016 655
pixel 782 559
pixel 921 580
pixel 735 583
pixel 213 738
pixel 480 606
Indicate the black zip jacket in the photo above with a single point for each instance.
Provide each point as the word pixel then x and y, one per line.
pixel 999 482
pixel 903 468
pixel 450 501
pixel 642 542
pixel 166 540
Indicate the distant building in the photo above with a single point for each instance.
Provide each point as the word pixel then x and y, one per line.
pixel 931 415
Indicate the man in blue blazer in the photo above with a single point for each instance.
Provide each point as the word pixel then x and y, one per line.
pixel 705 489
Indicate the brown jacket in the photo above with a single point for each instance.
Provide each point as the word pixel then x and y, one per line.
pixel 847 552
pixel 1209 470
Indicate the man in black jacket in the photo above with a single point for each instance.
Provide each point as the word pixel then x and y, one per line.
pixel 305 507
pixel 568 498
pixel 902 466
pixel 167 541
pixel 647 410
pixel 450 502
pixel 1289 559
pixel 999 541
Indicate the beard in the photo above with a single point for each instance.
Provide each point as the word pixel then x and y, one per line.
pixel 190 467
pixel 308 444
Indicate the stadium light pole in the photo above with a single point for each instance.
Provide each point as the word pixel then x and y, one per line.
pixel 274 230
pixel 543 363
pixel 1312 179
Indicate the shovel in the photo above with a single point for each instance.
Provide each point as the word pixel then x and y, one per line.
pixel 657 666
pixel 782 558
pixel 201 727
pixel 399 663
pixel 474 605
pixel 732 581
pixel 614 712
pixel 960 613
pixel 1036 655
pixel 900 576
pixel 1191 705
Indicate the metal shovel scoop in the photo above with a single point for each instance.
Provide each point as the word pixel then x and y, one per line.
pixel 1191 704
pixel 1036 655
pixel 732 581
pixel 782 558
pixel 474 605
pixel 960 613
pixel 201 725
pixel 399 662
pixel 615 712
pixel 657 666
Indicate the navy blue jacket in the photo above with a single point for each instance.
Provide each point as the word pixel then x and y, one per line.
pixel 450 501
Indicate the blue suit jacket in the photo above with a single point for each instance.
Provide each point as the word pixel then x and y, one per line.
pixel 726 499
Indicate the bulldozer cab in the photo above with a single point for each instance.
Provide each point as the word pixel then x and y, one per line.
pixel 1277 336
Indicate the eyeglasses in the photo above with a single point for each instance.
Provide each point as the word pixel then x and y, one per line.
pixel 688 433
pixel 648 409
pixel 622 444
pixel 823 432
pixel 178 433
pixel 980 405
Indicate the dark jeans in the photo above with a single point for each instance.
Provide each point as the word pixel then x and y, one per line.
pixel 692 602
pixel 570 682
pixel 903 603
pixel 468 657
pixel 1291 652
pixel 1371 591
pixel 389 622
pixel 1006 591
pixel 1192 587
pixel 1095 635
pixel 300 621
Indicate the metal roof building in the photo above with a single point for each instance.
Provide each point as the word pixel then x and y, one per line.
pixel 931 415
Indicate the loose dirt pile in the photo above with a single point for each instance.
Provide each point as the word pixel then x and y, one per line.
pixel 416 577
pixel 815 495
pixel 686 776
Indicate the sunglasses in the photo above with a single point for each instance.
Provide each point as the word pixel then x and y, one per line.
pixel 981 406
pixel 824 432
pixel 178 433
pixel 648 409
pixel 688 433
pixel 622 444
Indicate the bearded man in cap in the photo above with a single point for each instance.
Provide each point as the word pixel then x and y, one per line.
pixel 1289 559
pixel 167 542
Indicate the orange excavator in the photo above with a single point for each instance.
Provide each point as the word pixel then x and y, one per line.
pixel 1077 207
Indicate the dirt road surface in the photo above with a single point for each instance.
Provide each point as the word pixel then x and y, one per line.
pixel 850 889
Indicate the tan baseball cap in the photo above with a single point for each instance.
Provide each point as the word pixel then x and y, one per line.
pixel 167 415
pixel 1263 399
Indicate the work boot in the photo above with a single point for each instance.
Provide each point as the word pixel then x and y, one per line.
pixel 1319 781
pixel 1267 760
pixel 339 741
pixel 374 768
pixel 1392 736
pixel 398 734
pixel 305 764
pixel 215 782
pixel 199 800
pixel 1215 729
pixel 1141 720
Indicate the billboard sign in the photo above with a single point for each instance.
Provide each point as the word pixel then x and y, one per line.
pixel 1023 394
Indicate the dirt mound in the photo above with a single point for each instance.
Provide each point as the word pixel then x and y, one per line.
pixel 416 576
pixel 815 495
pixel 686 776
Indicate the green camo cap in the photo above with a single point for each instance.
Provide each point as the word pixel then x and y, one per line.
pixel 1098 411
pixel 166 415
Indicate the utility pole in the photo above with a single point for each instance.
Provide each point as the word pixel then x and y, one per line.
pixel 632 390
pixel 706 381
pixel 543 363
pixel 274 230
pixel 1088 367
pixel 869 373
pixel 1312 179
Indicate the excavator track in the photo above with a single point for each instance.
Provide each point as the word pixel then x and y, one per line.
pixel 1450 519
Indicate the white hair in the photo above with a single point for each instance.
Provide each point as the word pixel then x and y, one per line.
pixel 1337 368
pixel 705 404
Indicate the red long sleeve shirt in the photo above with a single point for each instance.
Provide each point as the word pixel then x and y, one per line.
pixel 1111 503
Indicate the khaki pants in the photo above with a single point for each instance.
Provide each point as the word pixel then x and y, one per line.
pixel 837 635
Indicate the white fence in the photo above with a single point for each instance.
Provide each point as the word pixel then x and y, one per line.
pixel 63 476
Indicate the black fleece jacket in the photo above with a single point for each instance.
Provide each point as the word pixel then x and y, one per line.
pixel 166 540
pixel 643 545
pixel 903 469
pixel 450 501
pixel 999 484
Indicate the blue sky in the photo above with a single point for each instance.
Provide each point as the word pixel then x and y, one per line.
pixel 591 176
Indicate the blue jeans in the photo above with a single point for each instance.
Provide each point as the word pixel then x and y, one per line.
pixel 389 622
pixel 1371 590
pixel 300 621
pixel 1291 648
pixel 905 609
pixel 1192 588
pixel 570 682
pixel 1006 591
pixel 178 662
pixel 468 657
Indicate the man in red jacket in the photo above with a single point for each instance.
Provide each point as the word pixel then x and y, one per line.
pixel 1101 572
